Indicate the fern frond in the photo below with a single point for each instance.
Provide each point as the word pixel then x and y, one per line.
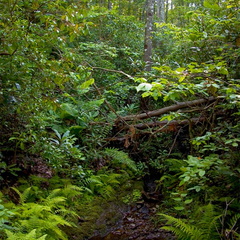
pixel 54 202
pixel 181 229
pixel 22 236
pixel 110 178
pixel 233 225
pixel 54 193
pixel 107 191
pixel 234 220
pixel 71 191
pixel 29 209
pixel 207 220
pixel 94 182
pixel 22 196
pixel 48 225
pixel 120 157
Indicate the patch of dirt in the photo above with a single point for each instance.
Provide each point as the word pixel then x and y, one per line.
pixel 137 224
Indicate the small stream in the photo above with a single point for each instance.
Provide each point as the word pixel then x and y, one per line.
pixel 137 222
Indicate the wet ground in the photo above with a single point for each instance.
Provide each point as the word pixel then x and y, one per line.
pixel 137 223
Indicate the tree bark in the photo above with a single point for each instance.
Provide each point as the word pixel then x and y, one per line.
pixel 166 124
pixel 148 35
pixel 161 111
pixel 160 10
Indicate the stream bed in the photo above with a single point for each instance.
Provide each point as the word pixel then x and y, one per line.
pixel 136 223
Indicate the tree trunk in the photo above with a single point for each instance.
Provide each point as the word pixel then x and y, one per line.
pixel 109 4
pixel 148 35
pixel 160 10
pixel 166 12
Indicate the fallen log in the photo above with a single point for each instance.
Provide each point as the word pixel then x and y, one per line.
pixel 171 108
pixel 160 127
pixel 167 123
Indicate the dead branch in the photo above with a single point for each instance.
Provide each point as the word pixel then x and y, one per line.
pixel 167 123
pixel 112 70
pixel 161 111
pixel 7 54
pixel 4 54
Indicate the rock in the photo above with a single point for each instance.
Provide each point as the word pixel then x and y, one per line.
pixel 130 219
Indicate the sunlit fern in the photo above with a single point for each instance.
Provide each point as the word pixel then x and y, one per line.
pixel 46 216
pixel 23 236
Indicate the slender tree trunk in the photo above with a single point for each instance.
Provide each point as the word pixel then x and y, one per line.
pixel 148 35
pixel 148 45
pixel 109 4
pixel 166 12
pixel 160 10
pixel 120 7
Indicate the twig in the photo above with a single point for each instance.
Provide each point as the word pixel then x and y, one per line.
pixel 112 70
pixel 174 142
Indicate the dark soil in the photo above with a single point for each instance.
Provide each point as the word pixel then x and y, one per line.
pixel 137 224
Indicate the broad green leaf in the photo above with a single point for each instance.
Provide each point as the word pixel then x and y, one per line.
pixel 188 201
pixel 179 70
pixel 68 110
pixel 201 173
pixel 181 79
pixel 144 87
pixel 211 5
pixel 87 84
pixel 223 71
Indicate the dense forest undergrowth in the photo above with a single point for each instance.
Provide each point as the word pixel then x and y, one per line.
pixel 97 114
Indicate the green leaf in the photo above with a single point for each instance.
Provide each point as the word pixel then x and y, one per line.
pixel 87 84
pixel 201 173
pixel 179 208
pixel 188 201
pixel 186 179
pixel 144 87
pixel 181 79
pixel 177 199
pixel 197 188
pixel 223 71
pixel 234 144
pixel 211 5
pixel 68 110
pixel 146 94
pixel 179 70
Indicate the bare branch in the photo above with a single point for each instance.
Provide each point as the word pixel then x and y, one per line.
pixel 115 71
pixel 167 123
pixel 168 109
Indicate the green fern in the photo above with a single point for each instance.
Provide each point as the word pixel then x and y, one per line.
pixel 207 219
pixel 71 191
pixel 46 216
pixel 233 225
pixel 24 195
pixel 24 236
pixel 120 158
pixel 103 184
pixel 204 226
pixel 181 229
